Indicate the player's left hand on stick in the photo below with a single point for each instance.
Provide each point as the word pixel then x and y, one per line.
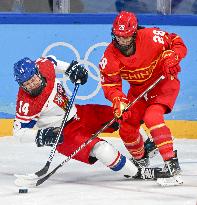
pixel 119 104
pixel 170 63
pixel 47 137
pixel 77 73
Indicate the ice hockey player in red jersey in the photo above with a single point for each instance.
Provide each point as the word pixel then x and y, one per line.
pixel 140 56
pixel 40 109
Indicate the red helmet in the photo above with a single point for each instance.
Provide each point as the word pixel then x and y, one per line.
pixel 125 24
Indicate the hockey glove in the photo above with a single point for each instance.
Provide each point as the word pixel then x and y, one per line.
pixel 119 104
pixel 170 63
pixel 47 137
pixel 76 73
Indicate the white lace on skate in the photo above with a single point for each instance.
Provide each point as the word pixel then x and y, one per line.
pixel 175 180
pixel 147 173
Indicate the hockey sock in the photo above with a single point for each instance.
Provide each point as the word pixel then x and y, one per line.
pixel 113 159
pixel 159 131
pixel 136 147
pixel 163 139
pixel 132 139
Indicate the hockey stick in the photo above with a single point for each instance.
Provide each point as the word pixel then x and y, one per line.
pixel 21 181
pixel 44 170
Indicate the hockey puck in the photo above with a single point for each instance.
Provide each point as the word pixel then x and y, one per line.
pixel 23 191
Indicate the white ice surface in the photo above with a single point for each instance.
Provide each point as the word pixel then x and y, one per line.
pixel 80 184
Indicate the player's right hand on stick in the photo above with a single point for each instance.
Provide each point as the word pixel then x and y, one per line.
pixel 119 104
pixel 47 137
pixel 77 73
pixel 170 63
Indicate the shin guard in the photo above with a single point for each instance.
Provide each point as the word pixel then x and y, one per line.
pixel 113 159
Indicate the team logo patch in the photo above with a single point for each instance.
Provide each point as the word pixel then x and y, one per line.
pixel 60 98
pixel 60 89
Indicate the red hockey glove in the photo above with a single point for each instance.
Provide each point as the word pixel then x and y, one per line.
pixel 119 104
pixel 170 61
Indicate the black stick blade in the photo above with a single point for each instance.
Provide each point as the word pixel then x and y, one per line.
pixel 44 170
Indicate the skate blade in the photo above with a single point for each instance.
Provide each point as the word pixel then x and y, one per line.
pixel 171 181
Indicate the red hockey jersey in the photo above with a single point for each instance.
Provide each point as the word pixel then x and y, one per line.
pixel 142 68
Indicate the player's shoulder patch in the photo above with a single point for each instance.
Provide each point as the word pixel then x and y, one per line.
pixel 60 89
pixel 60 98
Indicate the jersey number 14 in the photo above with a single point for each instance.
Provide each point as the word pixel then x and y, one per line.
pixel 23 107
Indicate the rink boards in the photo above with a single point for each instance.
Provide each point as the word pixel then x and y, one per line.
pixel 84 37
pixel 179 128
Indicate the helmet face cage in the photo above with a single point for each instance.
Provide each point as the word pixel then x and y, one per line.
pixel 125 25
pixel 124 49
pixel 24 70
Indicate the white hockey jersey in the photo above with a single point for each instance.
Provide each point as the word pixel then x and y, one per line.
pixel 45 110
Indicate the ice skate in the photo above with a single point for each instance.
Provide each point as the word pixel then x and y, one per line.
pixel 173 173
pixel 141 163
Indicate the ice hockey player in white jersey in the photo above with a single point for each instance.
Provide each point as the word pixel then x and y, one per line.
pixel 40 108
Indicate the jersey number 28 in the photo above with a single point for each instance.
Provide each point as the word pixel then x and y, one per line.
pixel 158 37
